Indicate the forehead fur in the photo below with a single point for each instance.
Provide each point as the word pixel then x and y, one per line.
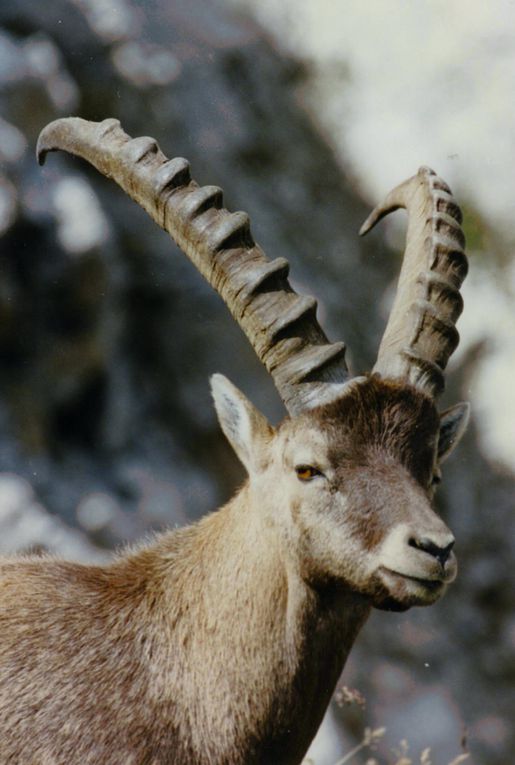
pixel 380 416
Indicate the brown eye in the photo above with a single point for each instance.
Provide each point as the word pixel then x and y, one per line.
pixel 307 472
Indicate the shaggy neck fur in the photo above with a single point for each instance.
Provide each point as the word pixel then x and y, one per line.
pixel 275 650
pixel 205 647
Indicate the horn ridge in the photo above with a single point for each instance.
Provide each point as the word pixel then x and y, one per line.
pixel 281 325
pixel 420 334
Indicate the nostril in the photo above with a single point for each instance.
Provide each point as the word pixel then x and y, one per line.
pixel 428 545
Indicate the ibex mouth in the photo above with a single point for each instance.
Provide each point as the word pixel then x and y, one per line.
pixel 405 590
pixel 431 584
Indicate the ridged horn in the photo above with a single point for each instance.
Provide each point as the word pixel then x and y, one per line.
pixel 281 325
pixel 420 334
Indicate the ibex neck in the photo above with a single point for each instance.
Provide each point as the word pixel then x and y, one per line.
pixel 276 646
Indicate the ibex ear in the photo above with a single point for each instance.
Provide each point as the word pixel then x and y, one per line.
pixel 246 429
pixel 453 423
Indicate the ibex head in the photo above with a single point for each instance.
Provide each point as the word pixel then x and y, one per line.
pixel 349 486
pixel 347 480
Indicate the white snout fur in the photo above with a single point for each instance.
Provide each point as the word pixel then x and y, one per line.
pixel 398 555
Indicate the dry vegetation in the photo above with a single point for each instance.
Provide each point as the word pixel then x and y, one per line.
pixel 372 737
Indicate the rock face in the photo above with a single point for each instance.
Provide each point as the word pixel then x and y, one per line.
pixel 108 335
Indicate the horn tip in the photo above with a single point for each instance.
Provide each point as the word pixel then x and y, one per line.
pixel 376 214
pixel 366 226
pixel 48 139
pixel 43 145
pixel 68 132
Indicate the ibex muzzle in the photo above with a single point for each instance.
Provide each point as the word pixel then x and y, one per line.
pixel 222 642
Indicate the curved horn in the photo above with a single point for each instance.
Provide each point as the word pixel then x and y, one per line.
pixel 420 334
pixel 281 325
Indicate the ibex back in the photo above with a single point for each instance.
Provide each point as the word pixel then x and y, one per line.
pixel 221 643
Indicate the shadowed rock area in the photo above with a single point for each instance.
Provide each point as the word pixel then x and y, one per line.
pixel 108 335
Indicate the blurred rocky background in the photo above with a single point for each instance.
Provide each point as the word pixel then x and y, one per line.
pixel 108 335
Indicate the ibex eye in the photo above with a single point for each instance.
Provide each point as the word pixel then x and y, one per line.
pixel 307 472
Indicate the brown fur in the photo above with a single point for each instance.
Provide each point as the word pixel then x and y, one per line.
pixel 221 643
pixel 389 418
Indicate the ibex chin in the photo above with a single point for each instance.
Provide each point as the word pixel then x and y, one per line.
pixel 221 643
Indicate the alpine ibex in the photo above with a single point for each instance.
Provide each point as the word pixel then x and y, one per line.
pixel 221 643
